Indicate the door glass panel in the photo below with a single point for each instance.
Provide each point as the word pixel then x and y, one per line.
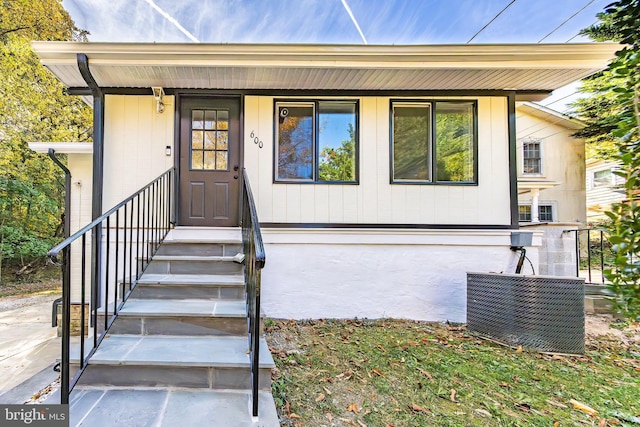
pixel 196 160
pixel 223 120
pixel 223 143
pixel 209 139
pixel 210 119
pixel 196 119
pixel 209 160
pixel 196 139
pixel 221 160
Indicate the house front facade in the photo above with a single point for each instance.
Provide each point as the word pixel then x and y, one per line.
pixel 381 174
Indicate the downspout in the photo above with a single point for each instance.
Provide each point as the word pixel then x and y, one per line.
pixel 67 221
pixel 98 177
pixel 513 171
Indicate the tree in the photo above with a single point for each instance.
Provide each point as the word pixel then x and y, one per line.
pixel 620 22
pixel 337 164
pixel 33 107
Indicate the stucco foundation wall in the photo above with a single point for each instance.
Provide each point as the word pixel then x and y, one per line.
pixel 374 200
pixel 408 274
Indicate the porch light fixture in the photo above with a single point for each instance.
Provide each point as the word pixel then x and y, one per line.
pixel 158 94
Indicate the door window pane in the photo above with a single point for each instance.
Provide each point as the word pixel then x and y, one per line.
pixel 336 141
pixel 295 142
pixel 411 141
pixel 209 144
pixel 454 142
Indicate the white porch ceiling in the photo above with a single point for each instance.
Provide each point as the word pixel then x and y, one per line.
pixel 316 67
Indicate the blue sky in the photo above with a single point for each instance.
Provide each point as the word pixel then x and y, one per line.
pixel 336 21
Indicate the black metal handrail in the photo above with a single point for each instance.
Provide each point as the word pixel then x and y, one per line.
pixel 254 261
pixel 596 242
pixel 139 223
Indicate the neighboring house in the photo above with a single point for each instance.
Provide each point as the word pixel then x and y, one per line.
pixel 551 166
pixel 382 174
pixel 604 187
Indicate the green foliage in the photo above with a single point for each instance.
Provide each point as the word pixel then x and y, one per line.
pixel 620 22
pixel 33 107
pixel 338 163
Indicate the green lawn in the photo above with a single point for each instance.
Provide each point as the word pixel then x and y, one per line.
pixel 401 373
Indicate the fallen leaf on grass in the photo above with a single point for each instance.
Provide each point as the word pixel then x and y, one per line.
pixel 294 415
pixel 320 397
pixel 362 424
pixel 519 350
pixel 602 423
pixel 426 374
pixel 376 372
pixel 417 408
pixel 558 404
pixel 482 413
pixel 329 416
pixel 556 424
pixel 353 408
pixel 453 395
pixel 582 407
pixel 327 390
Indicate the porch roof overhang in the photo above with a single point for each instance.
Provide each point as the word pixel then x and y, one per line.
pixel 531 70
pixel 526 185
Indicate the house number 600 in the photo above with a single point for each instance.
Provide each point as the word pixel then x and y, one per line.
pixel 256 140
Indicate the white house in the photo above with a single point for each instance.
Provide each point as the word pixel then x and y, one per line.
pixel 381 174
pixel 604 187
pixel 551 166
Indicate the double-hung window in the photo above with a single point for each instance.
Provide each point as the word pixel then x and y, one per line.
pixel 316 141
pixel 532 161
pixel 603 178
pixel 434 142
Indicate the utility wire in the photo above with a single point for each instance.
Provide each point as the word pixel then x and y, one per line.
pixel 567 20
pixel 594 23
pixel 492 19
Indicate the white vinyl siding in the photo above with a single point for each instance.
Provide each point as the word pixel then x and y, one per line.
pixel 136 137
pixel 374 200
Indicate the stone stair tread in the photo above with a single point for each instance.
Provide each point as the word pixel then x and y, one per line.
pixel 192 279
pixel 183 308
pixel 176 351
pixel 193 258
pixel 97 407
pixel 232 235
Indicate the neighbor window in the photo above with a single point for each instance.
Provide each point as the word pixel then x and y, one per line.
pixel 545 213
pixel 434 142
pixel 317 141
pixel 531 157
pixel 602 178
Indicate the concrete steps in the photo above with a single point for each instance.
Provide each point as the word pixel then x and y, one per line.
pixel 108 407
pixel 175 361
pixel 177 354
pixel 190 286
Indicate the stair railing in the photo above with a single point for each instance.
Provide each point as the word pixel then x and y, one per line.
pixel 254 261
pixel 132 232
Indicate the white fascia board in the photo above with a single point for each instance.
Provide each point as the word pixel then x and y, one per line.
pixel 550 115
pixel 62 147
pixel 536 56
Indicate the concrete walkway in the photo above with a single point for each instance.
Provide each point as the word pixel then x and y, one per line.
pixel 28 343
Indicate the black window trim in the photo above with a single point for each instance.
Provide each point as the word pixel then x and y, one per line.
pixel 433 152
pixel 316 156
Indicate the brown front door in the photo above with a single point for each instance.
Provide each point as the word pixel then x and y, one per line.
pixel 209 161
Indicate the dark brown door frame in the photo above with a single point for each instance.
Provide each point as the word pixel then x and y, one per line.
pixel 179 96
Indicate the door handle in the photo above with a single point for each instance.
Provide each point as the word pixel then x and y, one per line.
pixel 235 168
pixel 235 176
